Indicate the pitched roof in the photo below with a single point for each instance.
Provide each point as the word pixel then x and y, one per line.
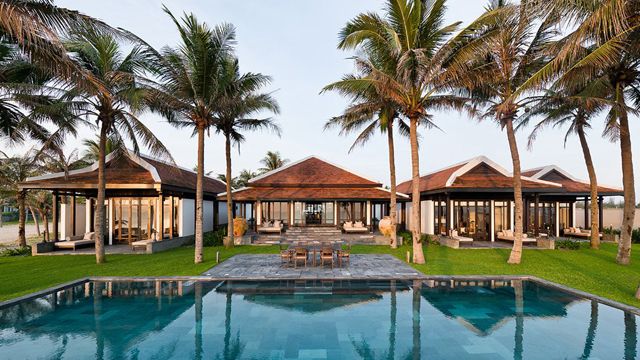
pixel 129 171
pixel 312 172
pixel 569 183
pixel 310 193
pixel 476 173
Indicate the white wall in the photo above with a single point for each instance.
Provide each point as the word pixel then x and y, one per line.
pixel 65 220
pixel 426 217
pixel 186 217
pixel 208 216
pixel 611 217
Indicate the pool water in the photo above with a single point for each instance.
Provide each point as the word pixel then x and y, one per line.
pixel 316 320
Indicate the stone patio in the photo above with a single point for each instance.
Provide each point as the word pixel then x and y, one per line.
pixel 263 267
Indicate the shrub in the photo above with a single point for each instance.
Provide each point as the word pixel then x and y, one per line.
pixel 406 236
pixel 21 251
pixel 429 239
pixel 611 231
pixel 567 245
pixel 214 238
pixel 635 236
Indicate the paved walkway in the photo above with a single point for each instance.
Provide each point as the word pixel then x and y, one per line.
pixel 269 267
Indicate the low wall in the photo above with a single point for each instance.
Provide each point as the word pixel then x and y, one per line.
pixel 610 218
pixel 166 244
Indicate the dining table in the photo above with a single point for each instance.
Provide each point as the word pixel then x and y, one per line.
pixel 316 247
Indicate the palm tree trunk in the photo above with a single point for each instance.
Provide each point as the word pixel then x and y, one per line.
pixel 199 198
pixel 393 320
pixel 593 183
pixel 518 347
pixel 227 150
pixel 392 175
pixel 630 336
pixel 22 239
pixel 516 251
pixel 35 220
pixel 100 225
pixel 418 255
pixel 638 293
pixel 629 213
pixel 45 218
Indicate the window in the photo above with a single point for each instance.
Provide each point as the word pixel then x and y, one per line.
pixel 471 218
pixel 328 213
pixel 440 217
pixel 298 213
pixel 502 219
pixel 277 210
pixel 565 215
pixel 545 216
pixel 352 211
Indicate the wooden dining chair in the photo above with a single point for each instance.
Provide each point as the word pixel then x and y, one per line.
pixel 300 253
pixel 326 254
pixel 344 255
pixel 286 255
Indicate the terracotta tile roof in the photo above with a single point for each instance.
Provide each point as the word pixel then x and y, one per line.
pixel 312 172
pixel 308 193
pixel 433 181
pixel 128 171
pixel 574 185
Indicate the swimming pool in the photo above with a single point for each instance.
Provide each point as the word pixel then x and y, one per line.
pixel 436 319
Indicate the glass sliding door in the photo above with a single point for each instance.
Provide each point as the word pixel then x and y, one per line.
pixel 352 211
pixel 565 216
pixel 275 210
pixel 133 219
pixel 502 218
pixel 472 219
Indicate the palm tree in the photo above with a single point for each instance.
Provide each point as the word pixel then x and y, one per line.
pixel 514 46
pixel 114 105
pixel 91 152
pixel 234 181
pixel 244 177
pixel 575 109
pixel 188 89
pixel 13 171
pixel 611 29
pixel 240 99
pixel 371 111
pixel 415 50
pixel 272 161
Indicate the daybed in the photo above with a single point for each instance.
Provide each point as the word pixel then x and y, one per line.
pixel 578 233
pixel 271 226
pixel 357 227
pixel 73 242
pixel 509 235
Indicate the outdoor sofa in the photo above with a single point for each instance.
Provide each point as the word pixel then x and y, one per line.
pixel 73 242
pixel 354 227
pixel 454 235
pixel 271 227
pixel 509 235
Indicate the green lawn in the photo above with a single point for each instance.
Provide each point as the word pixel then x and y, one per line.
pixel 585 269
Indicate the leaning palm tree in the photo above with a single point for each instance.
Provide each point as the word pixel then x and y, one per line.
pixel 413 69
pixel 272 161
pixel 189 79
pixel 239 101
pixel 514 47
pixel 560 108
pixel 372 112
pixel 114 105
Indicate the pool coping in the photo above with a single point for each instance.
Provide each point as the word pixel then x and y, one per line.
pixel 579 293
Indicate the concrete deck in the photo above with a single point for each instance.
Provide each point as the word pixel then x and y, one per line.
pixel 263 267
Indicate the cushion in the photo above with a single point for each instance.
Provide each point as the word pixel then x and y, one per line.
pixel 88 236
pixel 454 233
pixel 358 224
pixel 348 224
pixel 277 224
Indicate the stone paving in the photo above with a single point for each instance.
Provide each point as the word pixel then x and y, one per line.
pixel 270 267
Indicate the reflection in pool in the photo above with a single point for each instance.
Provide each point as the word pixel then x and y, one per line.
pixel 315 320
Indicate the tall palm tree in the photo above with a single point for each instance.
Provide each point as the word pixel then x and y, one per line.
pixel 560 108
pixel 371 111
pixel 244 177
pixel 188 89
pixel 514 47
pixel 92 148
pixel 272 161
pixel 239 101
pixel 611 30
pixel 415 49
pixel 114 105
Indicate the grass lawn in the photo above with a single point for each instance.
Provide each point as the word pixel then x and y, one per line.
pixel 585 269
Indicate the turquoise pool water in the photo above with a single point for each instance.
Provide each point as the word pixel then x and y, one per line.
pixel 316 320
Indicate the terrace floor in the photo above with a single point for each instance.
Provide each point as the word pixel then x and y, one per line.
pixel 261 267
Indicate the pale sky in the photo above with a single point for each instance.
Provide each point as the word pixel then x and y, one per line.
pixel 295 41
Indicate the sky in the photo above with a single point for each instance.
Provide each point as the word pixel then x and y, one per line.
pixel 294 41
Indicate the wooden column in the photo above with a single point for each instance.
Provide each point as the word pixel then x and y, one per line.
pixel 449 211
pixel 160 230
pixel 55 216
pixel 536 215
pixel 586 212
pixel 172 219
pixel 600 212
pixel 73 215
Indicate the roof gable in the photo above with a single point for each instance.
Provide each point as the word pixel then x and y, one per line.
pixel 312 172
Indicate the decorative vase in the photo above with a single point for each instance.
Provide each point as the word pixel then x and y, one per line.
pixel 239 226
pixel 385 226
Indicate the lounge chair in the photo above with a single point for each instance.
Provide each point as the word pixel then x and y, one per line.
pixel 73 242
pixel 509 235
pixel 300 253
pixel 271 227
pixel 326 254
pixel 454 235
pixel 357 227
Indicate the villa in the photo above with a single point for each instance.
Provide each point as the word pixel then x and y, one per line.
pixel 146 200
